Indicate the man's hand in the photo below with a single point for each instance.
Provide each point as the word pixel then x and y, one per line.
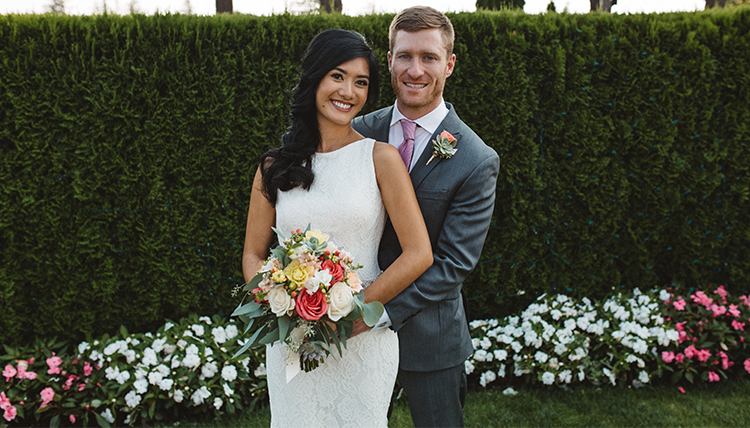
pixel 359 326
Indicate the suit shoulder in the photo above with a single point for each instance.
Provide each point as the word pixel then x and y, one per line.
pixel 370 119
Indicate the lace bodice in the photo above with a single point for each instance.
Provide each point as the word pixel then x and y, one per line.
pixel 344 202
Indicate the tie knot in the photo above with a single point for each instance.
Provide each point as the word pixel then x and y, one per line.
pixel 409 127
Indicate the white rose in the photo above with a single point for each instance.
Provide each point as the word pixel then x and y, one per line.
pixel 280 301
pixel 342 302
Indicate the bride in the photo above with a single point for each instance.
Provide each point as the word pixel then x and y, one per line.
pixel 330 177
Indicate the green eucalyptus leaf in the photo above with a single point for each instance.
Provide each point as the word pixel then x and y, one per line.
pixel 334 338
pixel 247 308
pixel 371 312
pixel 253 283
pixel 280 255
pixel 284 323
pixel 279 234
pixel 271 337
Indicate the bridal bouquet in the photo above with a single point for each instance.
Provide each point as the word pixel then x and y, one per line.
pixel 307 295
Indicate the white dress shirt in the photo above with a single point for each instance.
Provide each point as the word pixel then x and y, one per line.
pixel 426 126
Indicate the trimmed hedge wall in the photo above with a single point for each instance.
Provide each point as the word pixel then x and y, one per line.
pixel 129 144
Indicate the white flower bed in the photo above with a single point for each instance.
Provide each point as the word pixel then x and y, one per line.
pixel 558 340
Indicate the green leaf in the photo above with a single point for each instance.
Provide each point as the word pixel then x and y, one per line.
pixel 284 323
pixel 247 308
pixel 371 312
pixel 689 377
pixel 334 337
pixel 676 376
pixel 54 422
pixel 102 422
pixel 123 332
pixel 281 256
pixel 253 283
pixel 270 337
pixel 343 333
pixel 281 236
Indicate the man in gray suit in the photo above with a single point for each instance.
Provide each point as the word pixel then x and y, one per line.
pixel 456 193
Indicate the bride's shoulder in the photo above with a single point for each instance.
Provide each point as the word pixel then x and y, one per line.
pixel 385 154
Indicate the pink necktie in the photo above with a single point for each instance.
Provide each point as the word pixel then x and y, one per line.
pixel 407 147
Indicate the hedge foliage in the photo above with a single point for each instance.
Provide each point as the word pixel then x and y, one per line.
pixel 129 144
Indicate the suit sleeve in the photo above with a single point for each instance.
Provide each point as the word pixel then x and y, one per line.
pixel 458 248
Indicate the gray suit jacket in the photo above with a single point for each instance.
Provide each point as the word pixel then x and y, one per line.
pixel 457 198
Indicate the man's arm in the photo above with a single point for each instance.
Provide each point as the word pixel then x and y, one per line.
pixel 458 247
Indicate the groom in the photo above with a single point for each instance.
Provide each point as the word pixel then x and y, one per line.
pixel 456 196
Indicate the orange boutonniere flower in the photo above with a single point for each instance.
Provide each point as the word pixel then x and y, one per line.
pixel 444 146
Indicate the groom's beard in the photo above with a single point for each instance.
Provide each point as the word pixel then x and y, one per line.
pixel 416 102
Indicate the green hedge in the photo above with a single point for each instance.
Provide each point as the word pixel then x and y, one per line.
pixel 129 143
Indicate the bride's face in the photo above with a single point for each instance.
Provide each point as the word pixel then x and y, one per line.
pixel 342 92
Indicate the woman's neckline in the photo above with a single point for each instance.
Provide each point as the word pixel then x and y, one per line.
pixel 340 148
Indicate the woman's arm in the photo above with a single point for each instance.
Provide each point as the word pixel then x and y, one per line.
pixel 261 217
pixel 402 207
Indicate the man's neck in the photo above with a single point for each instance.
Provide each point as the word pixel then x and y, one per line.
pixel 414 114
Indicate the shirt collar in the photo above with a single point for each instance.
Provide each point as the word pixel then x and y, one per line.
pixel 428 122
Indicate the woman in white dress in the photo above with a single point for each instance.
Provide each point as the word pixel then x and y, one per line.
pixel 330 177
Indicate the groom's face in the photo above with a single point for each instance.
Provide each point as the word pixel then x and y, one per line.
pixel 419 64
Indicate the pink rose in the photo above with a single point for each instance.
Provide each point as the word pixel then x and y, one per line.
pixel 668 357
pixel 4 401
pixel 72 419
pixel 87 369
pixel 745 300
pixel 311 306
pixel 713 377
pixel 681 389
pixel 747 365
pixel 738 325
pixel 680 304
pixel 335 269
pixel 703 355
pixel 679 357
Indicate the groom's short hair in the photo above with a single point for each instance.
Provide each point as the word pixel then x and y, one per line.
pixel 422 18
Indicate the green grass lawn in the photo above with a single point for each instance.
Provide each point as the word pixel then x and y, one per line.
pixel 724 404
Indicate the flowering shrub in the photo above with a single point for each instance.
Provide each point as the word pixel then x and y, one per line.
pixel 712 338
pixel 558 340
pixel 183 370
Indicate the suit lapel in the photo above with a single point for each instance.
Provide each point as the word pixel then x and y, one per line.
pixel 382 125
pixel 452 124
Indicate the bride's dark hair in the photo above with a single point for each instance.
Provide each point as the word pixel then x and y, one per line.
pixel 289 167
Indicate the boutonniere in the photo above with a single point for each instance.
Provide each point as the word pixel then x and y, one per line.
pixel 444 146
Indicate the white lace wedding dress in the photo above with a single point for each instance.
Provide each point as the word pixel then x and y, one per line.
pixel 354 390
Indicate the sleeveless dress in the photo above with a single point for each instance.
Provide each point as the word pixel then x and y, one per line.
pixel 353 390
